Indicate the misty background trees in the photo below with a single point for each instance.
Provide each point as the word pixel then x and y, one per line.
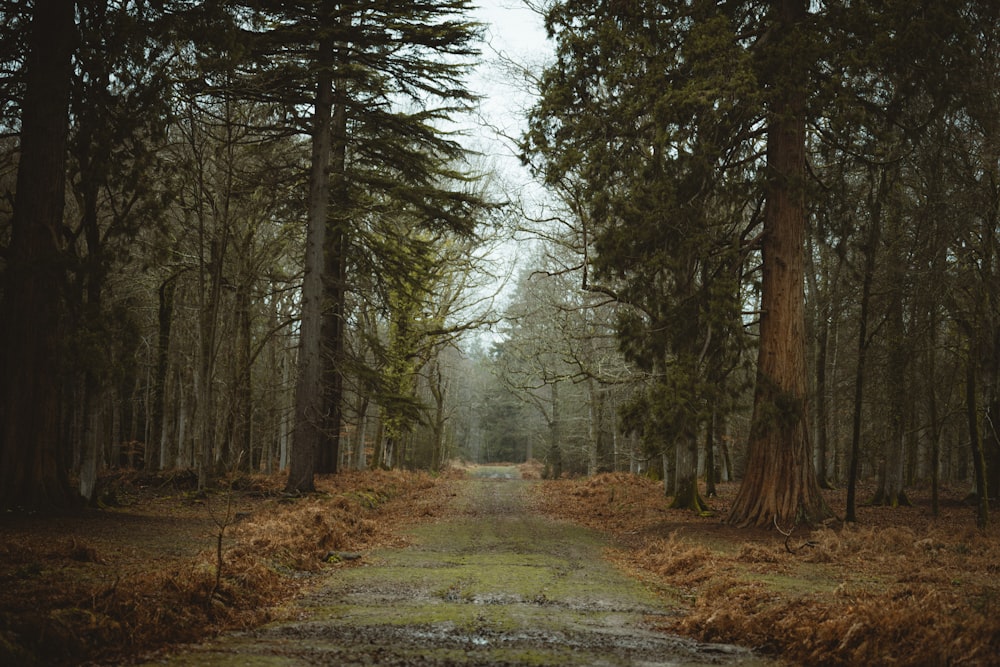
pixel 262 246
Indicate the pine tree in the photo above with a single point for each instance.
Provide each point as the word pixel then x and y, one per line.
pixel 652 112
pixel 369 59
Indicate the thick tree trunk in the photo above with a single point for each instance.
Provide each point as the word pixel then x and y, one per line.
pixel 891 492
pixel 309 406
pixel 439 391
pixel 822 410
pixel 30 470
pixel 780 483
pixel 378 450
pixel 239 452
pixel 932 407
pixel 873 241
pixel 593 434
pixel 686 494
pixel 210 287
pixel 90 438
pixel 728 474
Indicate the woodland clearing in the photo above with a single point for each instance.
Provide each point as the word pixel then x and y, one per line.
pixel 112 586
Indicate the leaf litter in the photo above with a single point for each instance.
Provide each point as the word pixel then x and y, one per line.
pixel 109 586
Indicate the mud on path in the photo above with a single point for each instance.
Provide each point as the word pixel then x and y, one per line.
pixel 490 584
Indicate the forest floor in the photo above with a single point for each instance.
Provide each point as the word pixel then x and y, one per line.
pixel 142 575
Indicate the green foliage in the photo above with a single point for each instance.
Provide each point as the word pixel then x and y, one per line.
pixel 656 120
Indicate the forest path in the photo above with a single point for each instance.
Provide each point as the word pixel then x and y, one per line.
pixel 491 584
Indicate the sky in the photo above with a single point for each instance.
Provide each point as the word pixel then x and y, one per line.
pixel 512 34
pixel 515 34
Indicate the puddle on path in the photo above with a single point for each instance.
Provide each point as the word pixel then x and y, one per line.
pixel 495 585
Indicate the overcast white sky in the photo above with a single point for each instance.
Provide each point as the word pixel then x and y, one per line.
pixel 514 34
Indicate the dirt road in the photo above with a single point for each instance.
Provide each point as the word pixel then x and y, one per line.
pixel 491 585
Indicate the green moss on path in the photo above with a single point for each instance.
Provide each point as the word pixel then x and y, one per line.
pixel 493 584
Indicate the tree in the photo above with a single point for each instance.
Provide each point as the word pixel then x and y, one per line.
pixel 660 147
pixel 780 485
pixel 377 57
pixel 33 472
pixel 559 334
pixel 309 387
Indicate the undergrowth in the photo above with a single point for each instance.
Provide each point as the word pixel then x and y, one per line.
pixel 901 588
pixel 89 599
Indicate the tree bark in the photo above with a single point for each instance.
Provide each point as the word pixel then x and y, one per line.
pixel 309 408
pixel 891 492
pixel 686 494
pixel 335 292
pixel 822 317
pixel 240 453
pixel 976 443
pixel 553 459
pixel 935 421
pixel 30 470
pixel 165 313
pixel 780 483
pixel 710 464
pixel 360 462
pixel 593 433
pixel 874 238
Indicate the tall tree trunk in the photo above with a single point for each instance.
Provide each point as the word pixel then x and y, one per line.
pixel 975 442
pixel 239 454
pixel 728 474
pixel 593 434
pixel 822 410
pixel 935 425
pixel 871 248
pixel 360 462
pixel 89 317
pixel 378 449
pixel 210 288
pixel 30 470
pixel 686 495
pixel 554 460
pixel 710 470
pixel 335 292
pixel 309 404
pixel 891 492
pixel 780 483
pixel 183 447
pixel 158 436
pixel 439 389
pixel 821 321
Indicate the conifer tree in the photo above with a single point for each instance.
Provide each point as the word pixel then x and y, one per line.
pixel 780 485
pixel 653 115
pixel 662 110
pixel 391 76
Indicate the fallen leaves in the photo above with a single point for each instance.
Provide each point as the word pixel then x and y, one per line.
pixel 901 588
pixel 102 586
